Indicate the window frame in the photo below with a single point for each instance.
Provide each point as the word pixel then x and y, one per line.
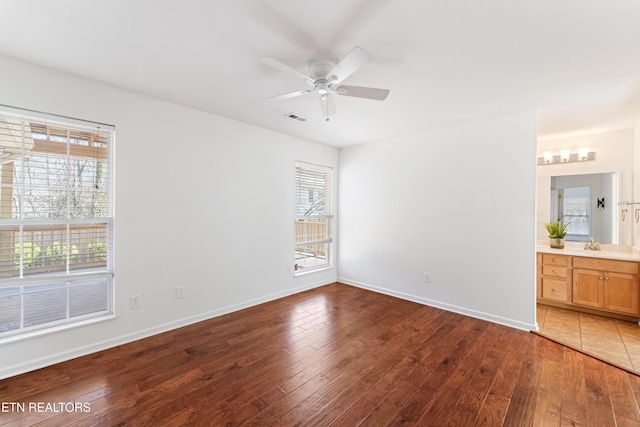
pixel 99 270
pixel 322 219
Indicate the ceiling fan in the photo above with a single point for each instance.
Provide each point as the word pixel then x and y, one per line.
pixel 325 78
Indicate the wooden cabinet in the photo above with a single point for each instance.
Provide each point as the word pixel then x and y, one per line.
pixel 621 293
pixel 554 278
pixel 606 284
pixel 597 285
pixel 587 288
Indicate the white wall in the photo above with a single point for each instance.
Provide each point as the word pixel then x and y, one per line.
pixel 201 201
pixel 614 152
pixel 636 183
pixel 457 203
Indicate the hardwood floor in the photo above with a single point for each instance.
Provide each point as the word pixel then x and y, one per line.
pixel 336 355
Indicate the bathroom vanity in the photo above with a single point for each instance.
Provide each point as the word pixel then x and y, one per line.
pixel 600 282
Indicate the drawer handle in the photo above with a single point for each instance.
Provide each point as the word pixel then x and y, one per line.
pixel 554 271
pixel 554 260
pixel 554 290
pixel 606 278
pixel 600 278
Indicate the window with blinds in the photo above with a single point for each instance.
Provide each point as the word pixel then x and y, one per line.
pixel 312 223
pixel 575 212
pixel 55 221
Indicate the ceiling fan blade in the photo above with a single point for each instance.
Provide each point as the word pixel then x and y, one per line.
pixel 363 92
pixel 355 59
pixel 327 106
pixel 274 63
pixel 289 95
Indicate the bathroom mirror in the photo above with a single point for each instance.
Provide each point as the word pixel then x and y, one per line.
pixel 594 205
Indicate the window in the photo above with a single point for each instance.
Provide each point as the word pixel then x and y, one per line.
pixel 575 212
pixel 312 223
pixel 55 221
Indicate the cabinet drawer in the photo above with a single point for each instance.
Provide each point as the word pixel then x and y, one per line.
pixel 551 259
pixel 602 264
pixel 552 270
pixel 554 289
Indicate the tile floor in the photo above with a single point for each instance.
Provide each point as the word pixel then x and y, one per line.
pixel 612 340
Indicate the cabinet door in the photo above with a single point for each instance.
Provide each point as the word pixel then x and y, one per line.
pixel 621 293
pixel 587 288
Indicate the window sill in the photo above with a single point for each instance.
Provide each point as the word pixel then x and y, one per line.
pixel 46 331
pixel 309 271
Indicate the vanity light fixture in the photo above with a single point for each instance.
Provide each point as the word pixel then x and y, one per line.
pixel 583 153
pixel 566 156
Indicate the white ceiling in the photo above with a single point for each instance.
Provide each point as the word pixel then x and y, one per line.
pixel 444 61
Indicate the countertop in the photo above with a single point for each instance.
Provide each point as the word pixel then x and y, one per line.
pixel 620 252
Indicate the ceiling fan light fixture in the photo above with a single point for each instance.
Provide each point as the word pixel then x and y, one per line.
pixel 325 75
pixel 323 86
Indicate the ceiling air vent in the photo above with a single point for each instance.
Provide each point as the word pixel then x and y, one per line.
pixel 296 117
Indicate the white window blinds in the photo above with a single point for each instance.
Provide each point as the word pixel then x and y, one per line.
pixel 55 220
pixel 312 224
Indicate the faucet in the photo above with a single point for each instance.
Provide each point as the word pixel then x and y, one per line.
pixel 591 246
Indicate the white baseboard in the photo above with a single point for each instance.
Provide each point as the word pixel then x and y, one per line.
pixel 31 365
pixel 444 306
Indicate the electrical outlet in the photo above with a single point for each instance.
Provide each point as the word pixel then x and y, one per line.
pixel 427 277
pixel 179 292
pixel 134 302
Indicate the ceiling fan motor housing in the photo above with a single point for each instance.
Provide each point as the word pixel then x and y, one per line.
pixel 319 70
